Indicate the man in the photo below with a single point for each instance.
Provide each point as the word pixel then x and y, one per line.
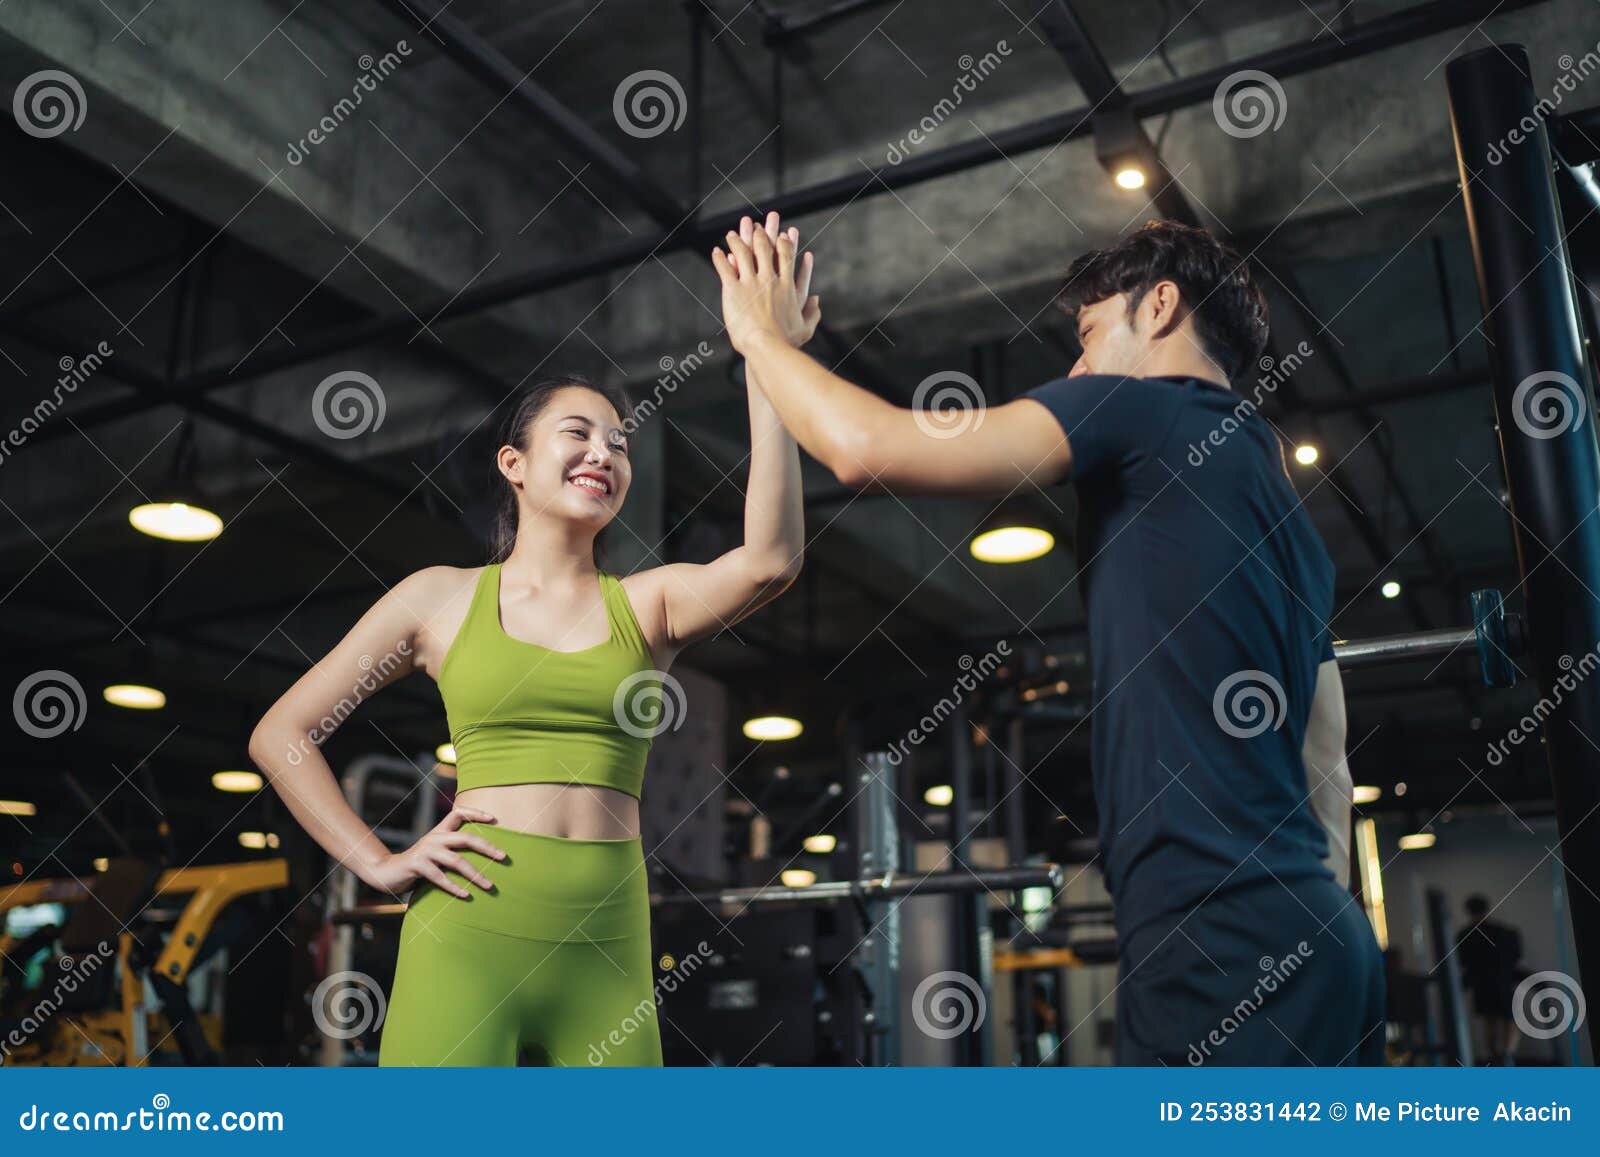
pixel 1490 953
pixel 1218 716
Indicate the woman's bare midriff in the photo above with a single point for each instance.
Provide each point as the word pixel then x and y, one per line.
pixel 569 811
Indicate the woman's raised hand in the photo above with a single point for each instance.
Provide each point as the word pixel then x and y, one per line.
pixel 766 287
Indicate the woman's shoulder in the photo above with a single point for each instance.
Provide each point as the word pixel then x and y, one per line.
pixel 643 591
pixel 639 583
pixel 634 585
pixel 433 588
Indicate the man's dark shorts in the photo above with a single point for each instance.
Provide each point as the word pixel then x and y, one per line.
pixel 1271 973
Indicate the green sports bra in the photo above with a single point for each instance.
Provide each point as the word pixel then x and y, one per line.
pixel 522 713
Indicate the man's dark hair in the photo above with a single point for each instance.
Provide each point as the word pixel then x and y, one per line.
pixel 1477 906
pixel 1230 313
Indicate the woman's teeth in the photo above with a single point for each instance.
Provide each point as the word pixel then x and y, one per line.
pixel 592 484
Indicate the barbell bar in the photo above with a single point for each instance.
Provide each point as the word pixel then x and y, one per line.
pixel 884 887
pixel 1497 636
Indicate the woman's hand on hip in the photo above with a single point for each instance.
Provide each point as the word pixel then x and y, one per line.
pixel 434 853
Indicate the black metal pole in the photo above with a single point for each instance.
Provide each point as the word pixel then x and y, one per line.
pixel 697 96
pixel 1580 224
pixel 777 119
pixel 960 785
pixel 967 927
pixel 991 774
pixel 828 17
pixel 1063 1017
pixel 1447 975
pixel 878 954
pixel 1545 408
pixel 1016 851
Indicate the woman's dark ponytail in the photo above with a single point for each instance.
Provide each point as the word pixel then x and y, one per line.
pixel 522 411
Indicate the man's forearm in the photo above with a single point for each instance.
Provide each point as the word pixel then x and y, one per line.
pixel 828 416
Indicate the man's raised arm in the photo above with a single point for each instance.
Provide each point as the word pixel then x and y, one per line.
pixel 865 441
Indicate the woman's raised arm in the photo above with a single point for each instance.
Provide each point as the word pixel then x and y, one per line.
pixel 692 601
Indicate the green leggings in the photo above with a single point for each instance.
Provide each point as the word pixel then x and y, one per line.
pixel 554 961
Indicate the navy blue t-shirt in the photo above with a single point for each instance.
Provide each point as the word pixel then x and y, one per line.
pixel 1208 592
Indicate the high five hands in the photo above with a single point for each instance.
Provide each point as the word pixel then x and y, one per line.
pixel 766 291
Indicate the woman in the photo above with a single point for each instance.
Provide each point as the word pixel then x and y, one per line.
pixel 529 925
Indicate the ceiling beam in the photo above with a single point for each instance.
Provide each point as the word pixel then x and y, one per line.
pixel 1070 38
pixel 482 60
pixel 1367 37
pixel 149 385
pixel 782 28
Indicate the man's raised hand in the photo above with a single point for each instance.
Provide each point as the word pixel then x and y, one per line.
pixel 766 290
